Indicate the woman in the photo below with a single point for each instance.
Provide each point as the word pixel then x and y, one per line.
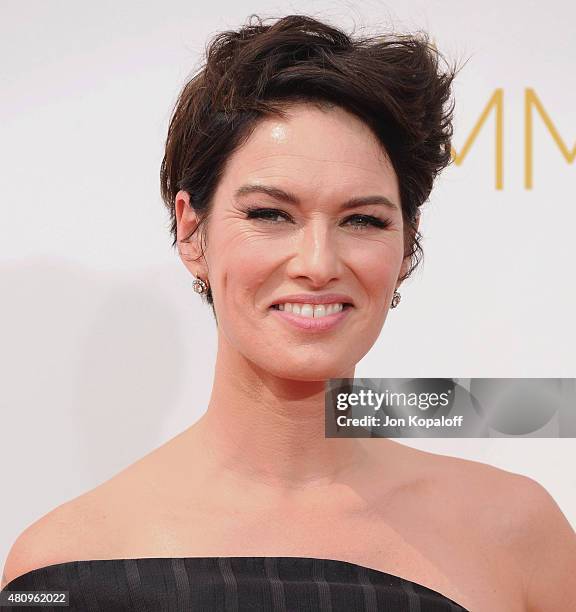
pixel 295 165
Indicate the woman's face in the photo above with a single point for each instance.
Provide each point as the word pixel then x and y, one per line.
pixel 311 245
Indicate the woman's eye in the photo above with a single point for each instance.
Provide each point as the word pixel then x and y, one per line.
pixel 363 221
pixel 268 214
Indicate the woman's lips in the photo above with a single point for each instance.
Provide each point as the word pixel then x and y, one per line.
pixel 312 324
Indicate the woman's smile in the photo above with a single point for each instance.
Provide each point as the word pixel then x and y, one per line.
pixel 303 316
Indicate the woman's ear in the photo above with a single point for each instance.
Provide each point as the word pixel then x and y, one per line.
pixel 189 247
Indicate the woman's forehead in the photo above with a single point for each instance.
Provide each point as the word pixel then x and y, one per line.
pixel 312 142
pixel 308 127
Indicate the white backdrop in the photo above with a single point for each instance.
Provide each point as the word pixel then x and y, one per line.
pixel 106 352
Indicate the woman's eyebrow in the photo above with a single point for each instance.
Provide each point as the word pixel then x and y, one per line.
pixel 284 196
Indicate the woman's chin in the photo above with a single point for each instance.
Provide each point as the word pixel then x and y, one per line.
pixel 306 372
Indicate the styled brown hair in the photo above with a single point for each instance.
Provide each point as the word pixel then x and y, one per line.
pixel 390 81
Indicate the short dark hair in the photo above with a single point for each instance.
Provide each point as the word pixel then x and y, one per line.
pixel 390 81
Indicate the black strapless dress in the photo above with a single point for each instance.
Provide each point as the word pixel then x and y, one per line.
pixel 214 584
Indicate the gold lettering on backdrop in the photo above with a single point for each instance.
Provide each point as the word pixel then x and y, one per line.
pixel 496 102
pixel 531 100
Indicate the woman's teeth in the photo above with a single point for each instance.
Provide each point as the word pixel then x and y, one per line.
pixel 311 310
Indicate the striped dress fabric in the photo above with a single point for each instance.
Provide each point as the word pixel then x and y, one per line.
pixel 213 584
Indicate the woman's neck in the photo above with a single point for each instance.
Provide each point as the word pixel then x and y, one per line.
pixel 270 430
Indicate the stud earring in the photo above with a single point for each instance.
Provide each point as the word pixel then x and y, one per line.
pixel 199 285
pixel 395 299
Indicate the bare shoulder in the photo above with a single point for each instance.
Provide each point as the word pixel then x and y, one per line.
pixel 72 531
pixel 511 504
pixel 48 540
pixel 516 519
pixel 93 525
pixel 543 544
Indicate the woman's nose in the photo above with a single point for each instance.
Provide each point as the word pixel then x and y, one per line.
pixel 315 255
